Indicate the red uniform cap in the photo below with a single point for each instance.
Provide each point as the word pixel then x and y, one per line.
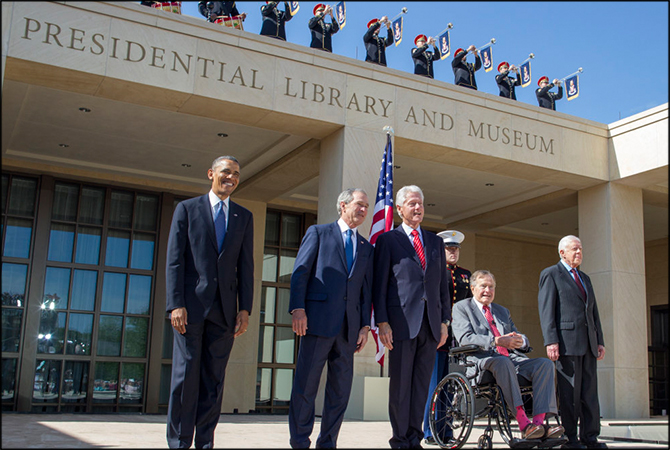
pixel 316 8
pixel 372 22
pixel 504 63
pixel 458 51
pixel 421 36
pixel 542 79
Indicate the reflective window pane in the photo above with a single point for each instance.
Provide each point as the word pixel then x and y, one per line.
pixel 283 386
pixel 285 345
pixel 17 242
pixel 66 198
pixel 113 292
pixel 272 228
pixel 283 299
pixel 106 382
pixel 139 294
pixel 47 381
pixel 118 247
pixel 270 265
pixel 146 212
pixel 79 334
pixel 8 377
pixel 88 245
pixel 135 340
pixel 75 382
pixel 84 285
pixel 268 300
pixel 132 383
pixel 92 205
pixel 143 251
pixel 286 263
pixel 168 338
pixel 109 336
pixel 11 329
pixel 56 288
pixel 121 209
pixel 265 344
pixel 22 197
pixel 291 231
pixel 5 187
pixel 263 387
pixel 61 242
pixel 14 284
pixel 52 332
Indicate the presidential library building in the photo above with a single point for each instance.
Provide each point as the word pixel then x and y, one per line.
pixel 112 113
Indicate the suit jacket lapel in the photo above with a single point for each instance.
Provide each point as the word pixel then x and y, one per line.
pixel 567 277
pixel 339 243
pixel 233 222
pixel 206 213
pixel 405 242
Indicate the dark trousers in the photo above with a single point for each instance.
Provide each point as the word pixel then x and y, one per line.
pixel 440 370
pixel 199 364
pixel 578 396
pixel 314 352
pixel 410 366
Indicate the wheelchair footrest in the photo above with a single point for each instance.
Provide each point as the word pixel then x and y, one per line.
pixel 524 443
pixel 551 443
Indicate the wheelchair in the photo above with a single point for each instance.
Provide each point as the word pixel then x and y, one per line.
pixel 458 400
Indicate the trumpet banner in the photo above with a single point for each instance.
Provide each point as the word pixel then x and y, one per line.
pixel 294 7
pixel 396 27
pixel 525 74
pixel 487 58
pixel 444 45
pixel 572 87
pixel 341 14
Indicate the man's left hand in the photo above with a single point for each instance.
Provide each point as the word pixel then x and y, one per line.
pixel 444 334
pixel 601 352
pixel 362 339
pixel 241 322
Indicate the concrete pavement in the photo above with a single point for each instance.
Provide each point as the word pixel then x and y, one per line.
pixel 254 431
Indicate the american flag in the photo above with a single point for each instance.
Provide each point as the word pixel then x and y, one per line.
pixel 382 221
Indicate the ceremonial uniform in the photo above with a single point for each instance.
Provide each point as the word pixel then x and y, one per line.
pixel 219 9
pixel 423 60
pixel 464 72
pixel 322 32
pixel 548 99
pixel 506 85
pixel 375 46
pixel 274 20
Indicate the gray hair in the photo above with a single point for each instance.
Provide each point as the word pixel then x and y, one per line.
pixel 347 196
pixel 401 196
pixel 478 275
pixel 220 159
pixel 565 241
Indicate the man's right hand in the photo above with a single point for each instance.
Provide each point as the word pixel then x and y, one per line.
pixel 386 335
pixel 178 319
pixel 299 322
pixel 552 352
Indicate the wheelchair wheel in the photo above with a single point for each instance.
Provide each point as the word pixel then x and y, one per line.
pixel 503 420
pixel 485 442
pixel 452 411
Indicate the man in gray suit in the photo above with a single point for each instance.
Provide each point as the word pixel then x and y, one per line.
pixel 573 336
pixel 479 321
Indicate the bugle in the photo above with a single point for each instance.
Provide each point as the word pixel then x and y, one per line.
pixel 449 27
pixel 516 66
pixel 568 76
pixel 403 11
pixel 491 42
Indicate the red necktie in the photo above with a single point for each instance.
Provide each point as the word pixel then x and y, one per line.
pixel 419 248
pixel 579 282
pixel 494 329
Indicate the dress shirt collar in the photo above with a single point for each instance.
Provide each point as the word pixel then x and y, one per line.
pixel 408 231
pixel 214 200
pixel 344 227
pixel 567 266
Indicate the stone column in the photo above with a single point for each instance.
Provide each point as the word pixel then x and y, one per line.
pixel 611 228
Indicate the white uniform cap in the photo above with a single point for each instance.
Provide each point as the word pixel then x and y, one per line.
pixel 451 238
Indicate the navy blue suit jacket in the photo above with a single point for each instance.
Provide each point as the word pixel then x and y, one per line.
pixel 401 289
pixel 321 285
pixel 194 267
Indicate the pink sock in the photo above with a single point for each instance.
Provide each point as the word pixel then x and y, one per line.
pixel 539 419
pixel 521 417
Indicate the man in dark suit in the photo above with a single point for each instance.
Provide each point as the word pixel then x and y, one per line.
pixel 209 278
pixel 481 322
pixel 410 294
pixel 375 46
pixel 331 308
pixel 573 337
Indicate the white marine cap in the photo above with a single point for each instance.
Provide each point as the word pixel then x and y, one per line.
pixel 451 238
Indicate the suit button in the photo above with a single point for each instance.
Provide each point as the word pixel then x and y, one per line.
pixel 216 280
pixel 345 298
pixel 423 299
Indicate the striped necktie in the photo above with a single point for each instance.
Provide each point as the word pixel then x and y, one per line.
pixel 220 225
pixel 419 248
pixel 494 329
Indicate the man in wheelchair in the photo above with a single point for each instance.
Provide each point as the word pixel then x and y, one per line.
pixel 480 322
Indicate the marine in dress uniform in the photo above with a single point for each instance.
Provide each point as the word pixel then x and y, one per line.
pixel 545 98
pixel 506 84
pixel 375 46
pixel 459 289
pixel 274 20
pixel 423 59
pixel 218 9
pixel 464 72
pixel 322 32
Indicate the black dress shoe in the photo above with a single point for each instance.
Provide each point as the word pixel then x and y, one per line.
pixel 573 445
pixel 595 444
pixel 430 440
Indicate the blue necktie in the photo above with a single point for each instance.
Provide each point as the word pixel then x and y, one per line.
pixel 220 225
pixel 349 250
